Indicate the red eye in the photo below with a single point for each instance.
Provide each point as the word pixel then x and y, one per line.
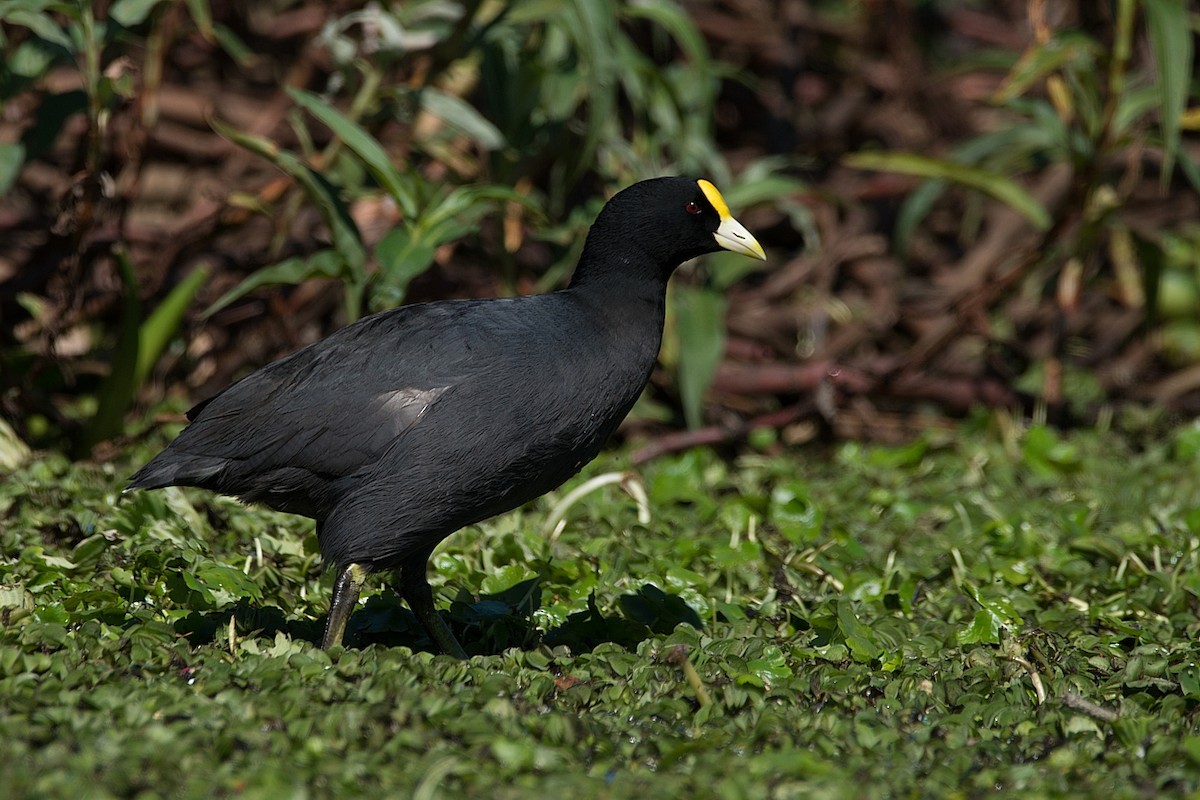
pixel 692 207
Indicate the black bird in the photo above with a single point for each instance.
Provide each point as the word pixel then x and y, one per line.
pixel 410 424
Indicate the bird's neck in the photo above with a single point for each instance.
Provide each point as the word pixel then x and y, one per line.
pixel 610 263
pixel 623 285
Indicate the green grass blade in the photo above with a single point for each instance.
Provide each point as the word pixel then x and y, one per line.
pixel 700 326
pixel 1037 64
pixel 347 241
pixel 595 28
pixel 232 44
pixel 116 393
pixel 201 15
pixel 291 271
pixel 467 204
pixel 1190 170
pixel 998 186
pixel 913 211
pixel 12 158
pixel 164 321
pixel 363 145
pixel 675 21
pixel 765 189
pixel 462 117
pixel 1171 43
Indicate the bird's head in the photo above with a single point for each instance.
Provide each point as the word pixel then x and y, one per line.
pixel 670 220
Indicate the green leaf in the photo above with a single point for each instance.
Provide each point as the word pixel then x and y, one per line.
pixel 996 612
pixel 194 583
pixel 12 158
pixel 907 455
pixel 13 450
pixel 33 57
pixel 859 637
pixel 464 206
pixel 1171 43
pixel 201 15
pixel 596 30
pixel 406 252
pixel 451 215
pixel 161 325
pixel 516 587
pixel 1186 443
pixel 1006 149
pixel 657 610
pixel 1189 681
pixel 232 44
pixel 1132 731
pixel 346 239
pixel 364 146
pixel 700 328
pixel 998 186
pixel 915 208
pixel 1190 170
pixel 1133 105
pixel 799 518
pixel 130 13
pixel 1046 455
pixel 1001 607
pixel 673 19
pixel 43 25
pixel 984 629
pixel 322 264
pixel 87 552
pixel 463 117
pixel 117 391
pixel 1065 49
pixel 770 669
pixel 228 579
pixel 766 189
pixel 402 256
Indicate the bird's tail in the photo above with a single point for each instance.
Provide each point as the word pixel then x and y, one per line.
pixel 170 468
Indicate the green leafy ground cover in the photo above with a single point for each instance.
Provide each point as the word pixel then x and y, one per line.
pixel 995 610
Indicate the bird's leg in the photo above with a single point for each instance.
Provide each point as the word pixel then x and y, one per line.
pixel 414 588
pixel 345 597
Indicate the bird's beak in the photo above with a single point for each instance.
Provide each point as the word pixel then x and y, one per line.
pixel 731 234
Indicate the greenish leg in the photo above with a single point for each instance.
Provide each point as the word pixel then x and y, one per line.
pixel 345 597
pixel 414 588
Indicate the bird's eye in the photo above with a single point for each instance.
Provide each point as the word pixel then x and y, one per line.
pixel 692 208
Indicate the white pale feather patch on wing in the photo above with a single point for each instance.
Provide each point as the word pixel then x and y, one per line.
pixel 405 407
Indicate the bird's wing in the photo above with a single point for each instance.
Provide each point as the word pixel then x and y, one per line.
pixel 336 406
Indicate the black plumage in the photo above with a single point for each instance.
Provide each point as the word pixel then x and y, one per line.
pixel 407 425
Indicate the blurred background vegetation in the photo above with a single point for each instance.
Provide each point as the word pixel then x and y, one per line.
pixel 989 203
